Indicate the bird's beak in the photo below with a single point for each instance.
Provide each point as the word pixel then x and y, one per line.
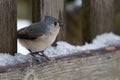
pixel 61 24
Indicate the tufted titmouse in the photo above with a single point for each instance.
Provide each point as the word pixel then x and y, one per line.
pixel 40 35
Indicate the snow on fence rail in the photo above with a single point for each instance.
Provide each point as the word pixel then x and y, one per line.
pixel 101 64
pixel 97 60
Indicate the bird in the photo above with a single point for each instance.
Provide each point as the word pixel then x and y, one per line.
pixel 38 36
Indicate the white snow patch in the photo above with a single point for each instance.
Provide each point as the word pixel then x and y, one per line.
pixel 6 59
pixel 22 23
pixel 64 48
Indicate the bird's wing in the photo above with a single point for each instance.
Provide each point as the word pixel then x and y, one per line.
pixel 33 31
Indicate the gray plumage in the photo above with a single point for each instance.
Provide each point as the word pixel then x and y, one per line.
pixel 36 29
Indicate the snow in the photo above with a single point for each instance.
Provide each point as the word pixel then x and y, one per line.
pixel 101 41
pixel 62 48
pixel 22 23
pixel 6 59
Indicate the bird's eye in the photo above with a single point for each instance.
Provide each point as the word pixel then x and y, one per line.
pixel 55 23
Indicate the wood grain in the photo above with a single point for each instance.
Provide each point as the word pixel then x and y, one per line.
pixel 97 65
pixel 8 28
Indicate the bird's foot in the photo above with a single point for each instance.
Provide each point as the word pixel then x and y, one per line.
pixel 40 58
pixel 43 55
pixel 37 59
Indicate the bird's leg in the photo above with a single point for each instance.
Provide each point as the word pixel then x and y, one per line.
pixel 42 54
pixel 36 59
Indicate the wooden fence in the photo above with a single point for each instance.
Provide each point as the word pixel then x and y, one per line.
pixel 102 64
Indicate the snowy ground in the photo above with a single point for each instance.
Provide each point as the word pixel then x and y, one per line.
pixel 62 48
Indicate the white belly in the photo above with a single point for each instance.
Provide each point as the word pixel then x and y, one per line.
pixel 41 45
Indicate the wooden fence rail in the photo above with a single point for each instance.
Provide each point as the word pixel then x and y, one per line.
pixel 93 65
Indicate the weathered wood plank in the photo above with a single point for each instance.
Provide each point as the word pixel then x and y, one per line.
pixel 102 16
pixel 98 18
pixel 8 28
pixel 36 11
pixel 101 65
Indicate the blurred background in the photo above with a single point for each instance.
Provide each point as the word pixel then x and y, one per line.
pixel 74 11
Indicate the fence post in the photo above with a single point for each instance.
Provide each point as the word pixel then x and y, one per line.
pixel 102 16
pixel 36 11
pixel 86 21
pixel 54 8
pixel 98 17
pixel 8 29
